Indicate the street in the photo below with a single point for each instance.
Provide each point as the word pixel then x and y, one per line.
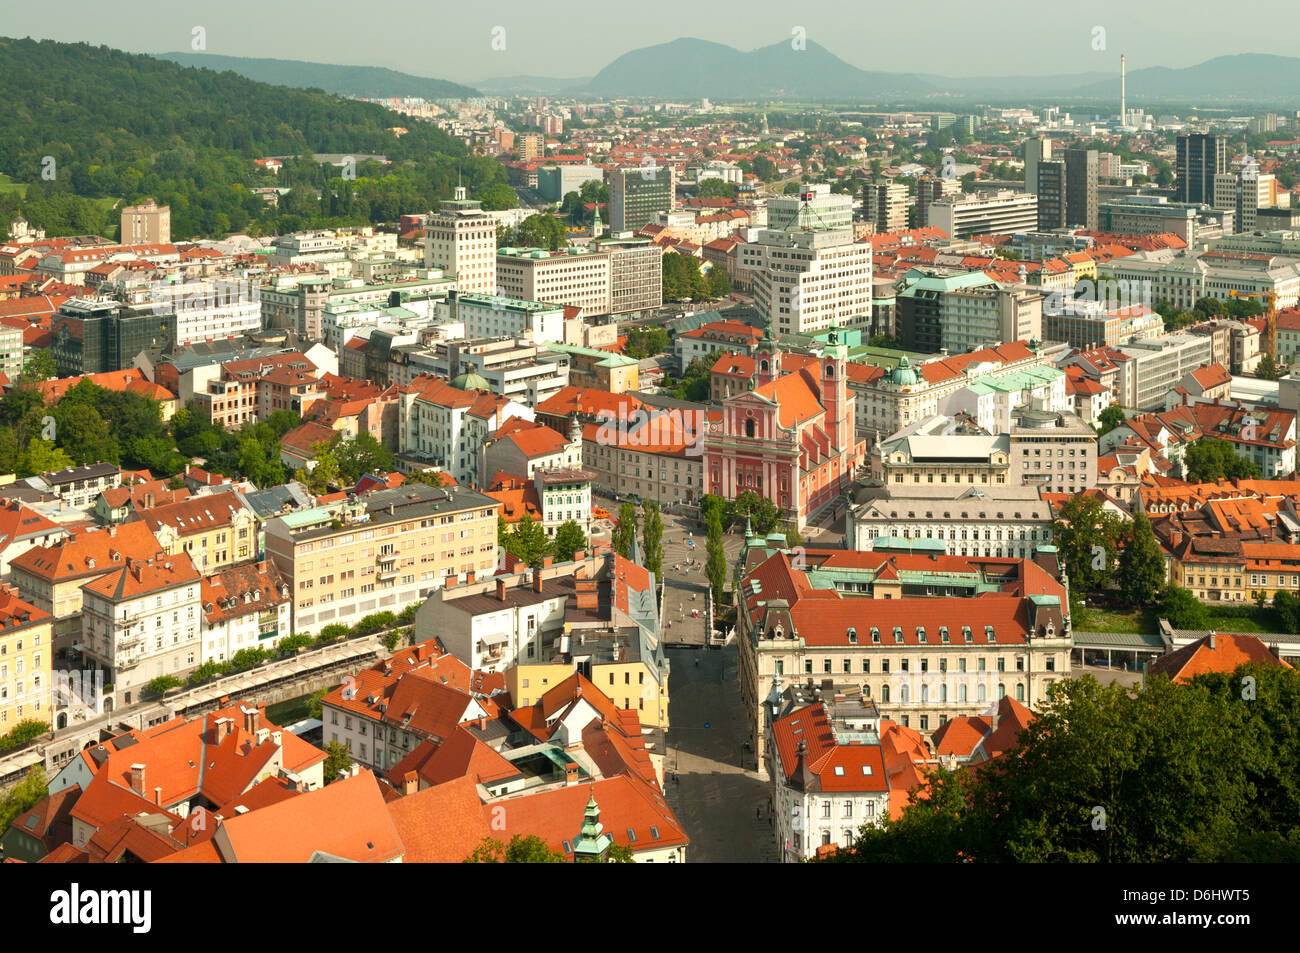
pixel 722 807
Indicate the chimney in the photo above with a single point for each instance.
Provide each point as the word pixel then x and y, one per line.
pixel 501 590
pixel 570 775
pixel 276 738
pixel 157 796
pixel 137 778
pixel 1213 639
pixel 546 562
pixel 410 782
pixel 223 726
pixel 450 582
pixel 250 720
pixel 579 555
pixel 356 769
pixel 537 579
pixel 263 735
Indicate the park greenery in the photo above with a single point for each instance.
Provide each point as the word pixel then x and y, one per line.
pixel 1105 774
pixel 652 538
pixel 23 796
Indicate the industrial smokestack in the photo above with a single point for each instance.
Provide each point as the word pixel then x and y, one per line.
pixel 1123 104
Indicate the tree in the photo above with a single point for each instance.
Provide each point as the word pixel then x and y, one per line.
pixel 1184 610
pixel 39 366
pixel 763 513
pixel 529 542
pixel 361 455
pixel 714 187
pixel 164 683
pixel 529 849
pixel 42 456
pixel 1211 459
pixel 625 531
pixel 338 757
pixel 719 282
pixel 646 342
pixel 1110 418
pixel 1088 538
pixel 541 231
pixel 1267 370
pixel 1142 563
pixel 498 197
pixel 652 538
pixel 715 560
pixel 326 470
pixel 23 796
pixel 569 539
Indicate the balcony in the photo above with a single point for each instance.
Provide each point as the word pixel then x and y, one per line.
pixel 386 575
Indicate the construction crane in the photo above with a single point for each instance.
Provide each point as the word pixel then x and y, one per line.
pixel 1270 317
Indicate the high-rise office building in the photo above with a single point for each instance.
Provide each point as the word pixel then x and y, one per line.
pixel 985 213
pixel 1081 169
pixel 637 195
pixel 1037 150
pixel 91 337
pixel 1052 186
pixel 808 280
pixel 1198 159
pixel 885 205
pixel 814 207
pixel 930 188
pixel 461 240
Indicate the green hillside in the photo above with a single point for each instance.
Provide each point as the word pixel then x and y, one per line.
pixel 120 125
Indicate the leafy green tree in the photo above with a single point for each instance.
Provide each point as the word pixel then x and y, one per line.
pixel 1088 538
pixel 23 796
pixel 282 421
pixel 1287 607
pixel 714 187
pixel 314 707
pixel 715 561
pixel 541 231
pixel 1142 563
pixel 498 197
pixel 625 531
pixel 338 757
pixel 326 471
pixel 1210 459
pixel 39 366
pixel 375 622
pixel 1110 418
pixel 84 435
pixel 646 342
pixel 618 854
pixel 42 456
pixel 529 542
pixel 569 539
pixel 719 282
pixel 763 513
pixel 9 451
pixel 164 683
pixel 1267 370
pixel 652 538
pixel 360 456
pixel 521 850
pixel 1184 610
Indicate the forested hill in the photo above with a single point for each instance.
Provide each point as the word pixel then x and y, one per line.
pixel 126 126
pixel 370 82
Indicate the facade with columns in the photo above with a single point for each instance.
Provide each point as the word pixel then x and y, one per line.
pixel 791 438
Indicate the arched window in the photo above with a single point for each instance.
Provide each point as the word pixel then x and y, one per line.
pixel 943 692
pixel 961 693
pixel 1020 692
pixel 983 694
pixel 830 370
pixel 762 366
pixel 925 694
pixel 1002 691
pixel 749 428
pixel 902 695
pixel 884 693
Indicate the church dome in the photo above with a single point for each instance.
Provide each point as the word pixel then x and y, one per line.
pixel 470 381
pixel 904 374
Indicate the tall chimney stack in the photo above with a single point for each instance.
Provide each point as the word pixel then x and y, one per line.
pixel 1123 102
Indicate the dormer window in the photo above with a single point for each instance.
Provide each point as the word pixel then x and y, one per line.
pixel 966 634
pixel 853 636
pixel 920 633
pixel 875 635
pixel 988 633
pixel 898 633
pixel 943 634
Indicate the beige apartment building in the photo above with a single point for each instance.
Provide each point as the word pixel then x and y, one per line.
pixel 51 577
pixel 382 553
pixel 216 530
pixel 26 650
pixel 146 224
pixel 577 277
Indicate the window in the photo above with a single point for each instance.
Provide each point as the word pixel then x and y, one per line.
pixel 943 634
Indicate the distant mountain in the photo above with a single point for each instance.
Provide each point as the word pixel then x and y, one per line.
pixel 366 82
pixel 531 85
pixel 691 68
pixel 1243 77
pixel 1020 88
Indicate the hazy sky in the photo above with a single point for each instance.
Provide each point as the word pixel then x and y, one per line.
pixel 454 40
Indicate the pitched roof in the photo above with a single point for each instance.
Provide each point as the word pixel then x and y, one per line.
pixel 1228 652
pixel 441 824
pixel 89 553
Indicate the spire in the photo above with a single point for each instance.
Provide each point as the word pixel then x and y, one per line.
pixel 592 844
pixel 634 553
pixel 749 528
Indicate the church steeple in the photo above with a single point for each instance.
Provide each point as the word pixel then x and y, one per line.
pixel 592 845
